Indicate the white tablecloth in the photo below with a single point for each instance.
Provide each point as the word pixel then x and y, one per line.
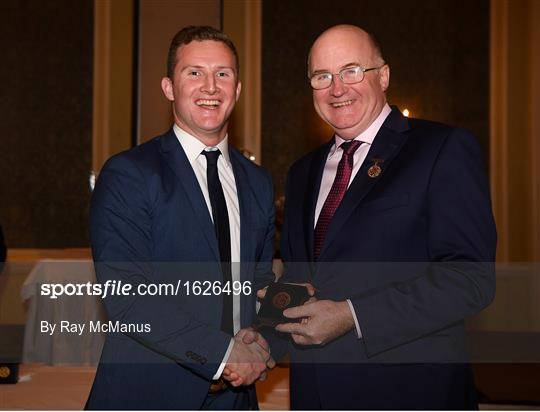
pixel 61 347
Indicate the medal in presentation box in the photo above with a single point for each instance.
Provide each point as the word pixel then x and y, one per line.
pixel 281 296
pixel 11 343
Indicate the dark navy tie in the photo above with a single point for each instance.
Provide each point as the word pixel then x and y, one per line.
pixel 223 233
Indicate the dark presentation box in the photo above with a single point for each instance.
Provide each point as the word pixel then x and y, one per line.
pixel 11 343
pixel 9 372
pixel 280 296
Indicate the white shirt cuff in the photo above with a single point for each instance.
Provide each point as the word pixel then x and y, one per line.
pixel 358 331
pixel 224 361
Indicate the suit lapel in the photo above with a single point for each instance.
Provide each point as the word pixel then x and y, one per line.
pixel 314 184
pixel 247 242
pixel 385 147
pixel 244 201
pixel 176 159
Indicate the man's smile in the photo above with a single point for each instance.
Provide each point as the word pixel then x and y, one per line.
pixel 208 103
pixel 337 105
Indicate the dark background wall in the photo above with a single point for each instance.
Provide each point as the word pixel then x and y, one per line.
pixel 438 52
pixel 46 126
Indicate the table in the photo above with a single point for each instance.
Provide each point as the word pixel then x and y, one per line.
pixel 61 348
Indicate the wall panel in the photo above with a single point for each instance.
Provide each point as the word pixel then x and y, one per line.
pixel 45 132
pixel 159 20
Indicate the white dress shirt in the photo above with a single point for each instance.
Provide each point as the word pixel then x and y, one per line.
pixel 330 170
pixel 193 148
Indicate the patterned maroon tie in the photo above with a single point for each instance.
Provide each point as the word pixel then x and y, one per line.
pixel 339 187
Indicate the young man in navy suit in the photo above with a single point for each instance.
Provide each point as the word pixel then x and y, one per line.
pixel 391 222
pixel 183 208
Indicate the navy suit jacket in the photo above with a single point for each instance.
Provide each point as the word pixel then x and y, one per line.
pixel 405 248
pixel 150 225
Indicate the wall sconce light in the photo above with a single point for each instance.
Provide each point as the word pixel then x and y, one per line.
pixel 406 112
pixel 248 154
pixel 92 180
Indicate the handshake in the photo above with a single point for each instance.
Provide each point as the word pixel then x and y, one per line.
pixel 249 359
pixel 314 323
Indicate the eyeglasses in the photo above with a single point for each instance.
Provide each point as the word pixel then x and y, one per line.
pixel 348 75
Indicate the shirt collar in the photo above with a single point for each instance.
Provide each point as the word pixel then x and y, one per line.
pixel 193 146
pixel 368 135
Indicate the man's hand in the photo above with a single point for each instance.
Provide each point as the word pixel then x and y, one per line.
pixel 261 293
pixel 323 321
pixel 249 359
pixel 250 336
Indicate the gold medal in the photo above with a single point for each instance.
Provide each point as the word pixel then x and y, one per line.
pixel 375 170
pixel 4 372
pixel 281 300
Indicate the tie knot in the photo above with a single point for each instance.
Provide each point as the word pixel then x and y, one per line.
pixel 211 156
pixel 350 146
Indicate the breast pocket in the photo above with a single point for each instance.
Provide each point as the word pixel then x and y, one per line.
pixel 385 203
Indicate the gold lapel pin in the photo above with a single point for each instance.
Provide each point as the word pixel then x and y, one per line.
pixel 375 170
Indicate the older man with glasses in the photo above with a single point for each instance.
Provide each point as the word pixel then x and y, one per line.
pixel 385 189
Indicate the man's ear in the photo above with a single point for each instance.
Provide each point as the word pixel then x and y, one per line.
pixel 167 87
pixel 238 90
pixel 384 77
